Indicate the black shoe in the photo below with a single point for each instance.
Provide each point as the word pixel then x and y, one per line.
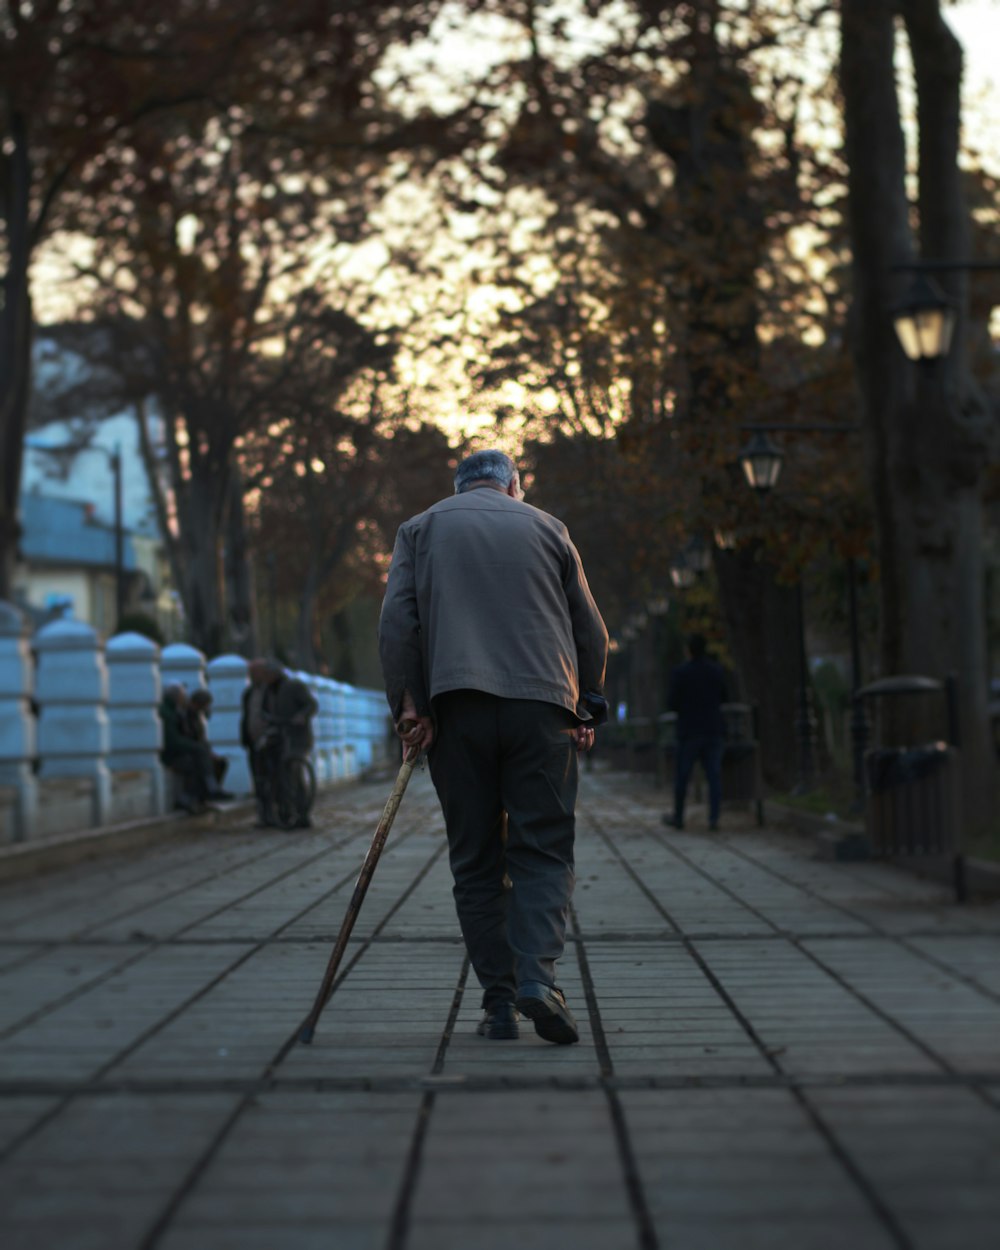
pixel 220 796
pixel 545 1006
pixel 499 1023
pixel 303 822
pixel 713 827
pixel 265 820
pixel 672 822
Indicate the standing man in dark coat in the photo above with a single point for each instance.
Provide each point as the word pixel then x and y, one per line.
pixel 697 693
pixel 274 701
pixel 493 647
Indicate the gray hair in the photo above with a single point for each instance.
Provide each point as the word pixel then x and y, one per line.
pixel 485 466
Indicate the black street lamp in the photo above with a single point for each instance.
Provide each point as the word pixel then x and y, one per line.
pixel 273 597
pixel 761 461
pixel 924 320
pixel 681 574
pixel 658 608
pixel 925 317
pixel 698 555
pixel 805 721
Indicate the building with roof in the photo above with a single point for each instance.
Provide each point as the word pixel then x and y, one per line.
pixel 67 512
pixel 68 561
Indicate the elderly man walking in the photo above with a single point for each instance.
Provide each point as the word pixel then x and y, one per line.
pixel 493 653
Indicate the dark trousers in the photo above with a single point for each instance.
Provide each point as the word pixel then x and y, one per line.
pixel 263 766
pixel 492 756
pixel 196 772
pixel 707 749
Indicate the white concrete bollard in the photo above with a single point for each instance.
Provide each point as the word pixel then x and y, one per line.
pixel 181 665
pixel 378 725
pixel 133 701
pixel 338 729
pixel 17 721
pixel 227 680
pixel 366 753
pixel 351 761
pixel 326 723
pixel 320 759
pixel 72 693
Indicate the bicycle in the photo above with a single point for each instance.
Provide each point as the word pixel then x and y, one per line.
pixel 291 780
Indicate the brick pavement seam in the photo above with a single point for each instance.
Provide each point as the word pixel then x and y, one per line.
pixel 192 840
pixel 481 1084
pixel 155 944
pixel 149 943
pixel 606 938
pixel 799 944
pixel 399 1224
pixel 631 1173
pixel 204 1160
pixel 15 1143
pixel 854 1172
pixel 899 939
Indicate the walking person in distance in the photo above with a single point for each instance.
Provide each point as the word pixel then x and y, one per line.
pixel 697 693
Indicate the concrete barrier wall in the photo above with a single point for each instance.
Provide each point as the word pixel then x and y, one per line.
pixel 76 716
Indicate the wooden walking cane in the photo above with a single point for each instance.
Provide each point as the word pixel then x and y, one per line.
pixel 361 888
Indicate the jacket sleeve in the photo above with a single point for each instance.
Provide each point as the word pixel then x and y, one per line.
pixel 589 631
pixel 399 642
pixel 175 741
pixel 305 703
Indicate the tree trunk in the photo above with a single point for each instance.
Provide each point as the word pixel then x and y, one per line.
pixel 762 626
pixel 305 634
pixel 709 141
pixel 15 344
pixel 200 523
pixel 241 613
pixel 926 427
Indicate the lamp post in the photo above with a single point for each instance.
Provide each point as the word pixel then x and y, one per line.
pixel 115 459
pixel 272 596
pixel 658 607
pixel 762 461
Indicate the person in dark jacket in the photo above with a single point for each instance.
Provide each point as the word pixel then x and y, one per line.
pixel 199 710
pixel 697 693
pixel 493 653
pixel 187 758
pixel 277 718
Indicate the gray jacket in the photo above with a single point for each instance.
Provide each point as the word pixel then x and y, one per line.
pixel 488 593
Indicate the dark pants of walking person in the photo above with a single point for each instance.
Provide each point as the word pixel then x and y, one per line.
pixel 708 750
pixel 490 756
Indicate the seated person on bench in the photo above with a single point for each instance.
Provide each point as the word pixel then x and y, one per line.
pixel 188 759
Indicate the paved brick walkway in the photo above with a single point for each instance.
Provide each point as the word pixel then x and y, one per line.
pixel 777 1052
